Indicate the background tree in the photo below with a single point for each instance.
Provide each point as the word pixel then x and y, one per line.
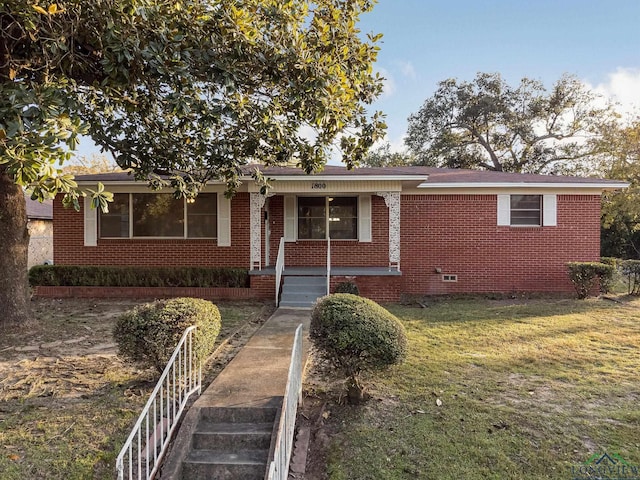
pixel 490 125
pixel 192 88
pixel 89 165
pixel 620 234
pixel 382 156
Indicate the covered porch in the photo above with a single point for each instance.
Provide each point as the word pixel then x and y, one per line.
pixel 355 232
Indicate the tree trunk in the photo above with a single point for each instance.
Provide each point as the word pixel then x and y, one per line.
pixel 14 245
pixel 356 393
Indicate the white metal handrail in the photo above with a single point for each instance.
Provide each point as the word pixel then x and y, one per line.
pixel 279 269
pixel 146 445
pixel 328 264
pixel 279 467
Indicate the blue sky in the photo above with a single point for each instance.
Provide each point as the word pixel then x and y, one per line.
pixel 426 41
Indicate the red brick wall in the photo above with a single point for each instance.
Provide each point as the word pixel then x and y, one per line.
pixel 456 233
pixel 263 285
pixel 459 234
pixel 69 249
pixel 380 289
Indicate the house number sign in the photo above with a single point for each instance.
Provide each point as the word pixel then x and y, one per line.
pixel 318 186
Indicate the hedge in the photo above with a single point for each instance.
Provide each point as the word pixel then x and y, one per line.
pixel 108 276
pixel 631 270
pixel 356 335
pixel 585 276
pixel 148 334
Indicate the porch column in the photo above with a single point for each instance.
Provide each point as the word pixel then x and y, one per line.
pixel 392 200
pixel 257 202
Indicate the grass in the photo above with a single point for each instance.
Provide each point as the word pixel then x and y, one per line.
pixel 527 390
pixel 66 411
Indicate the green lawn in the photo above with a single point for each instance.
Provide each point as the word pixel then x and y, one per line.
pixel 527 389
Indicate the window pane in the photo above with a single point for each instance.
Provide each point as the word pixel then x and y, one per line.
pixel 115 224
pixel 311 218
pixel 311 228
pixel 344 229
pixel 525 217
pixel 202 216
pixel 343 218
pixel 157 215
pixel 525 202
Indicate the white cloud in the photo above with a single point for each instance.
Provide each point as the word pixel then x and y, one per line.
pixel 407 69
pixel 396 144
pixel 622 87
pixel 388 84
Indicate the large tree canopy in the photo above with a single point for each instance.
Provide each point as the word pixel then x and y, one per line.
pixel 621 209
pixel 189 88
pixel 490 125
pixel 383 156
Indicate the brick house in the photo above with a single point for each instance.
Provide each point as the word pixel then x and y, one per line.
pixel 414 230
pixel 40 225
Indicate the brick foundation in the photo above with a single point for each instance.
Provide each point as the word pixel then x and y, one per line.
pixel 147 292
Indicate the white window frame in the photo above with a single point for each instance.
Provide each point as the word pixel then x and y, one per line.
pixel 548 210
pixel 222 207
pixel 363 219
pixel 539 210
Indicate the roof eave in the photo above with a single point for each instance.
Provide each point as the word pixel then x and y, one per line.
pixel 525 185
pixel 289 178
pixel 326 178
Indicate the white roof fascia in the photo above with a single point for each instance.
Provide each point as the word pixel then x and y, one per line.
pixel 326 178
pixel 536 185
pixel 297 178
pixel 128 183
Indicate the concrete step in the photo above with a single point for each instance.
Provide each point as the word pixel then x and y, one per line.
pixel 238 414
pixel 306 281
pixel 302 291
pixel 301 296
pixel 232 437
pixel 209 464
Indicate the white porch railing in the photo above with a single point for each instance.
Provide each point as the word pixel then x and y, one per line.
pixel 142 452
pixel 279 467
pixel 328 265
pixel 279 269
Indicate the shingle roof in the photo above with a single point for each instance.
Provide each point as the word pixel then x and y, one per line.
pixel 431 174
pixel 37 210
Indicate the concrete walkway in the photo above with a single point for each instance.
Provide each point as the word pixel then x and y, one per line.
pixel 255 378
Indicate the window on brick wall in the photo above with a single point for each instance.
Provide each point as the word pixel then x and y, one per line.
pixel 159 215
pixel 526 210
pixel 115 223
pixel 336 215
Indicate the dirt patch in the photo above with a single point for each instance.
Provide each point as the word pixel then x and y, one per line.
pixel 67 401
pixel 320 417
pixel 64 328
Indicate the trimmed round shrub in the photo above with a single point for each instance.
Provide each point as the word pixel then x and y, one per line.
pixel 148 334
pixel 355 335
pixel 586 276
pixel 347 287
